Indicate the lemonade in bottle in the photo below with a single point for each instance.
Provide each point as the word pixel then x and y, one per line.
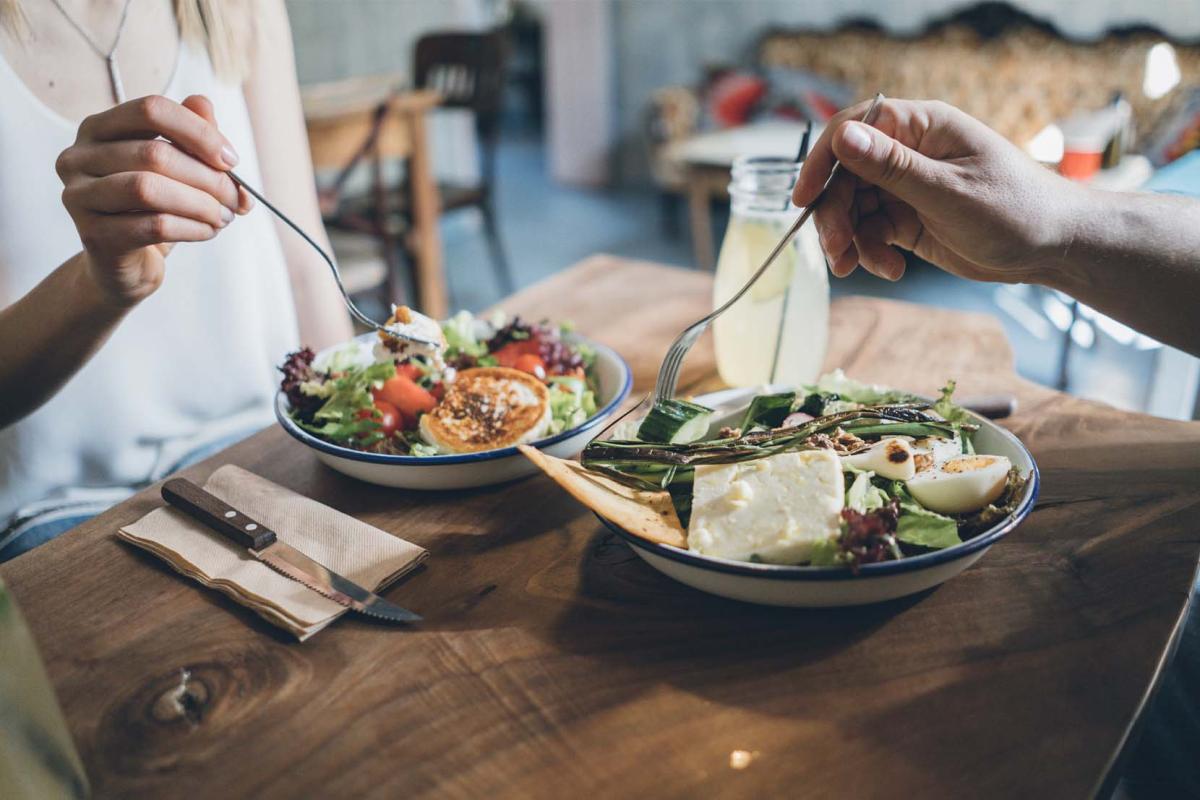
pixel 777 333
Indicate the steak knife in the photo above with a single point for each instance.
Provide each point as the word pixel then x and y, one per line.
pixel 263 544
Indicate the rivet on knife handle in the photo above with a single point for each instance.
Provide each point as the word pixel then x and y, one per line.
pixel 207 508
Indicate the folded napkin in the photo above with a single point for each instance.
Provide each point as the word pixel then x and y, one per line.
pixel 358 551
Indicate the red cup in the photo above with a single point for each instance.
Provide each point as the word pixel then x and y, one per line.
pixel 1080 164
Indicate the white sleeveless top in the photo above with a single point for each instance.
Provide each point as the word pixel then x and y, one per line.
pixel 193 362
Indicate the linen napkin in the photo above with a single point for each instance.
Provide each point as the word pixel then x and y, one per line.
pixel 366 555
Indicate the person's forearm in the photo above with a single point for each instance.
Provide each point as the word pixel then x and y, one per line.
pixel 47 335
pixel 1136 258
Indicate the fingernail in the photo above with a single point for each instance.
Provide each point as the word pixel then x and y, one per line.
pixel 229 157
pixel 856 141
pixel 226 216
pixel 250 203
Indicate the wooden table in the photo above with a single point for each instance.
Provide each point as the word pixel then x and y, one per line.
pixel 553 662
pixel 339 116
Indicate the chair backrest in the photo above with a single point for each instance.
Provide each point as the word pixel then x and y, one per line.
pixel 467 69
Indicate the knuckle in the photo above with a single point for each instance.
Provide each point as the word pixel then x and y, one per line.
pixel 86 127
pixel 897 163
pixel 157 226
pixel 213 215
pixel 64 164
pixel 154 155
pixel 142 188
pixel 152 107
pixel 939 108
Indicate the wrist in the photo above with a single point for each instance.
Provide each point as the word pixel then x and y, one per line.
pixel 92 296
pixel 1068 228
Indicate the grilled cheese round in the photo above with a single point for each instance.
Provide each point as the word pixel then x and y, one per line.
pixel 487 408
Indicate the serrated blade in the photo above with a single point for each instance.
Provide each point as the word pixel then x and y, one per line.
pixel 289 561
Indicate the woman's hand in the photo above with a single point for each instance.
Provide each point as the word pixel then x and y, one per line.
pixel 141 177
pixel 934 180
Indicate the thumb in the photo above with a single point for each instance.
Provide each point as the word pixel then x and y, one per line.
pixel 881 160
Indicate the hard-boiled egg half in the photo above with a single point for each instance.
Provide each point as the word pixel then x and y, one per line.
pixel 888 458
pixel 961 484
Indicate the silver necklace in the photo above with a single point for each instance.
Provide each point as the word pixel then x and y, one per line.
pixel 110 57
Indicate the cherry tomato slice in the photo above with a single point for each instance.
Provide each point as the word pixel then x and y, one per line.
pixel 532 364
pixel 388 419
pixel 404 394
pixel 409 370
pixel 507 355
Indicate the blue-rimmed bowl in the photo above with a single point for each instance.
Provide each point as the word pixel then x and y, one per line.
pixel 817 587
pixel 468 470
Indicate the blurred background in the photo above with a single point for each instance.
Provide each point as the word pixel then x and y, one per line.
pixel 468 147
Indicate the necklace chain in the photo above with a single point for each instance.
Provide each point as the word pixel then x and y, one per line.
pixel 110 57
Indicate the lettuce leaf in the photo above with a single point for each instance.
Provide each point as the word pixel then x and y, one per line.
pixel 571 403
pixel 924 528
pixel 852 391
pixel 828 553
pixel 339 419
pixel 460 336
pixel 863 495
pixel 946 408
pixel 350 356
pixel 919 526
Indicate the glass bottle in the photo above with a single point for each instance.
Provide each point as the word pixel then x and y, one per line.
pixel 37 757
pixel 778 332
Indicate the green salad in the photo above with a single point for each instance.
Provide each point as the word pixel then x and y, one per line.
pixel 497 382
pixel 837 473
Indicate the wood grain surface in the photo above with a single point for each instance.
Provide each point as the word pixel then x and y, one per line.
pixel 554 663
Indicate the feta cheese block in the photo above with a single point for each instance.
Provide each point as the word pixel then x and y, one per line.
pixel 772 509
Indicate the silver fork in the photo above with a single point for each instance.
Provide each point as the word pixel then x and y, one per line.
pixel 668 373
pixel 337 275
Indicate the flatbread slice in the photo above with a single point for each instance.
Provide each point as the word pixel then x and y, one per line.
pixel 645 514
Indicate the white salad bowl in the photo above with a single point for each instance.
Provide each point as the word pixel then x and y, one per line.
pixel 463 471
pixel 818 587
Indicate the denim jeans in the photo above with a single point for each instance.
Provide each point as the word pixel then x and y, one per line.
pixel 55 518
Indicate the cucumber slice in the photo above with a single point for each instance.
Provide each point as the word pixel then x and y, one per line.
pixel 675 422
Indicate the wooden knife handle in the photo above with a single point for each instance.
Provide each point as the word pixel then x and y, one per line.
pixel 992 406
pixel 214 512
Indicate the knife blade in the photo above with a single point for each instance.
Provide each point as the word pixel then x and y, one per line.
pixel 263 544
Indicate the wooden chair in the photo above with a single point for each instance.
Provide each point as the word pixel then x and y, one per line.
pixel 370 218
pixel 468 71
pixel 359 124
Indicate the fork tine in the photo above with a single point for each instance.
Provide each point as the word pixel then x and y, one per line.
pixel 668 374
pixel 667 370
